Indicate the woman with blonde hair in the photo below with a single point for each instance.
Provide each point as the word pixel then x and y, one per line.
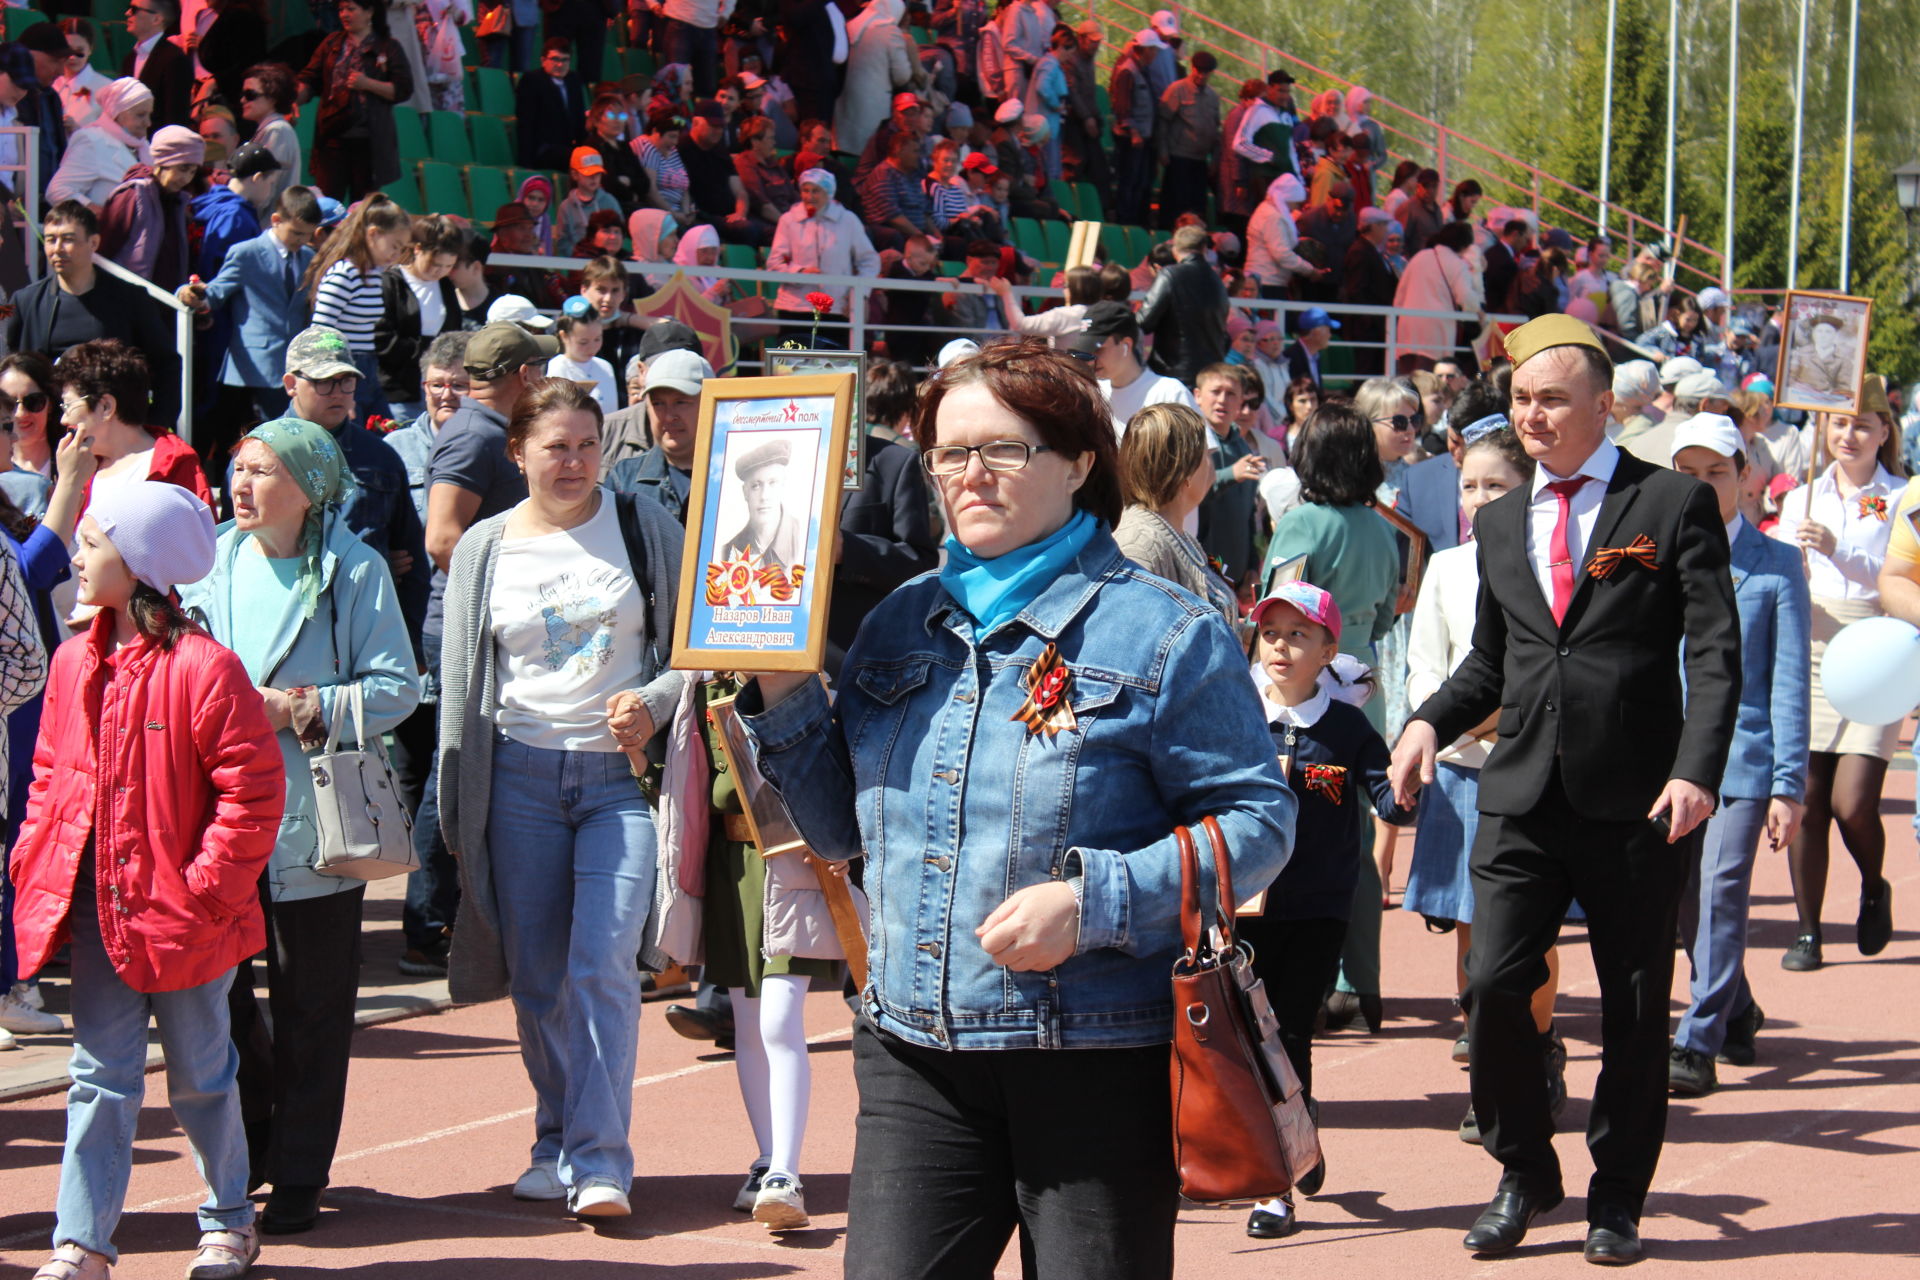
pixel 1165 472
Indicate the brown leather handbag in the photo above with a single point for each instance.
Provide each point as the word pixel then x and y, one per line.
pixel 1240 1125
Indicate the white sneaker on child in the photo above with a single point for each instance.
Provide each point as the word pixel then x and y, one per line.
pixel 18 1016
pixel 31 993
pixel 780 1206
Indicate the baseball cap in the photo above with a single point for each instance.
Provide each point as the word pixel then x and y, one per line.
pixel 1280 76
pixel 332 212
pixel 905 101
pixel 1165 22
pixel 1109 319
pixel 1713 296
pixel 668 335
pixel 978 161
pixel 320 352
pixel 1713 431
pixel 1148 38
pixel 750 81
pixel 1699 386
pixel 253 160
pixel 1313 601
pixel 503 347
pixel 678 370
pixel 587 160
pixel 46 37
pixel 1677 368
pixel 710 111
pixel 511 308
pixel 1007 112
pixel 1314 318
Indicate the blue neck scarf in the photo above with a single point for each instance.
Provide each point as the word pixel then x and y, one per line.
pixel 995 590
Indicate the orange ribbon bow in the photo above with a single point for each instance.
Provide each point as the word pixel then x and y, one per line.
pixel 1047 709
pixel 1607 559
pixel 1328 780
pixel 1874 506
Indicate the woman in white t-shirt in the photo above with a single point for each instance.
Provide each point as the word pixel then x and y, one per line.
pixel 579 359
pixel 555 609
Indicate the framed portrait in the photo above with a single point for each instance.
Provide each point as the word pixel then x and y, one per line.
pixel 782 362
pixel 773 831
pixel 1823 351
pixel 1414 562
pixel 1286 571
pixel 757 569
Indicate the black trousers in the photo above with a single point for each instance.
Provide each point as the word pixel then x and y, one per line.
pixel 1183 189
pixel 1297 960
pixel 955 1151
pixel 293 1078
pixel 1628 879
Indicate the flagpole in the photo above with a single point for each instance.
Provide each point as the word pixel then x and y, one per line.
pixel 1606 118
pixel 1673 108
pixel 1733 150
pixel 1846 179
pixel 1799 130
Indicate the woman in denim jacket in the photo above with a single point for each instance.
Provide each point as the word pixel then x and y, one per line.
pixel 1013 743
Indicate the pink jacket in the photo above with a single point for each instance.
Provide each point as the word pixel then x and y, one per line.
pixel 165 759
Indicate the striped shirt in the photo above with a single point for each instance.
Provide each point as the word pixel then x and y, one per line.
pixel 951 199
pixel 669 173
pixel 349 300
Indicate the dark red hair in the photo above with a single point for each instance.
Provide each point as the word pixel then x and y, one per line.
pixel 1055 393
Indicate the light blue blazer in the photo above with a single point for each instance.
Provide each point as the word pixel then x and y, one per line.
pixel 1769 753
pixel 252 283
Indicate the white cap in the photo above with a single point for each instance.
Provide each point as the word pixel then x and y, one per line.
pixel 1713 296
pixel 1007 112
pixel 958 349
pixel 1165 21
pixel 163 532
pixel 1713 431
pixel 514 309
pixel 1148 38
pixel 1677 368
pixel 681 371
pixel 1699 386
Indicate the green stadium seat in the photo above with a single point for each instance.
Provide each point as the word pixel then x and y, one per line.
pixel 109 12
pixel 1059 236
pixel 640 62
pixel 19 20
pixel 922 36
pixel 1101 101
pixel 741 257
pixel 491 142
pixel 103 60
pixel 1142 241
pixel 1028 238
pixel 303 130
pixel 405 190
pixel 493 92
pixel 1114 246
pixel 442 189
pixel 488 188
pixel 612 67
pixel 447 137
pixel 470 42
pixel 470 89
pixel 406 124
pixel 1086 201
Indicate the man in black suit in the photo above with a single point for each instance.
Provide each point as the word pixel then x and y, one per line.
pixel 1590 580
pixel 550 109
pixel 1503 264
pixel 1369 280
pixel 1313 330
pixel 158 63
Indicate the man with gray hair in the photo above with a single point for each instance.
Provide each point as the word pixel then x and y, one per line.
pixel 1636 385
pixel 1696 393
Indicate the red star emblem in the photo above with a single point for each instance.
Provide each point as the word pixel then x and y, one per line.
pixel 792 413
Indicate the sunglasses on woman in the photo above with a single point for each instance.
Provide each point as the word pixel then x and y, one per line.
pixel 1401 422
pixel 32 402
pixel 251 95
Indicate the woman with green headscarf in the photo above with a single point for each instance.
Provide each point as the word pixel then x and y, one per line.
pixel 311 611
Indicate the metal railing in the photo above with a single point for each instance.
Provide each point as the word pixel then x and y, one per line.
pixel 1507 179
pixel 858 332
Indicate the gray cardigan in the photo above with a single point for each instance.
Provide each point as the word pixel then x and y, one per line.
pixel 477 969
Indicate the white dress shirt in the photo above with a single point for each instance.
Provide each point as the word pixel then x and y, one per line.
pixel 140 52
pixel 1584 507
pixel 1441 636
pixel 1852 572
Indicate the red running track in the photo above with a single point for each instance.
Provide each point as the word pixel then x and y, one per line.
pixel 1803 1164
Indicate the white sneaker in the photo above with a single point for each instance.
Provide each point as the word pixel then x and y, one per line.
pixel 749 1190
pixel 780 1206
pixel 6 1040
pixel 30 992
pixel 19 1016
pixel 599 1198
pixel 540 1182
pixel 225 1255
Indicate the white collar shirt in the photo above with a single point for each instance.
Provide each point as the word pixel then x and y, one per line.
pixel 1584 512
pixel 1860 536
pixel 141 52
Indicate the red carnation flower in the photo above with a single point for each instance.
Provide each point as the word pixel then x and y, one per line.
pixel 821 303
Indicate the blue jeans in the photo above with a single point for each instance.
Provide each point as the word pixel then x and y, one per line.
pixel 572 851
pixel 1713 924
pixel 109 1081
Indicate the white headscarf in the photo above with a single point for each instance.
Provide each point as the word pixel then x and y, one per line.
pixel 123 94
pixel 883 12
pixel 688 254
pixel 1285 190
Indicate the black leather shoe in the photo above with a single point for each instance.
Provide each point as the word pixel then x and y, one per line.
pixel 1315 1178
pixel 290 1210
pixel 1264 1224
pixel 1742 1030
pixel 692 1022
pixel 1874 929
pixel 1371 1012
pixel 1804 955
pixel 1340 1009
pixel 1503 1224
pixel 1690 1073
pixel 1613 1239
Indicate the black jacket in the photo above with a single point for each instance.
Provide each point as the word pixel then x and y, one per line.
pixel 1499 276
pixel 397 341
pixel 1186 315
pixel 886 538
pixel 551 122
pixel 169 73
pixel 1368 279
pixel 1599 697
pixel 122 311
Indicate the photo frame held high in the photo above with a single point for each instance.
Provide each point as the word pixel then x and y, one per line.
pixel 763 513
pixel 1823 351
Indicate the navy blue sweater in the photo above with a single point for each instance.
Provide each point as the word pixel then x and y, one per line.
pixel 1338 771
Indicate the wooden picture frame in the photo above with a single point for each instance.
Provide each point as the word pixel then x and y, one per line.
pixel 1823 351
pixel 1414 567
pixel 786 361
pixel 756 572
pixel 773 831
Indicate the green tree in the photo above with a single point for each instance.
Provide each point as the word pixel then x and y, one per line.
pixel 1877 260
pixel 1761 180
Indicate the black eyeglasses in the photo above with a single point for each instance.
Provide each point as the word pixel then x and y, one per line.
pixel 251 95
pixel 329 386
pixel 32 402
pixel 1401 422
pixel 134 8
pixel 995 455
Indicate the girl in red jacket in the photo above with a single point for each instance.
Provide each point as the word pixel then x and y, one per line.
pixel 157 791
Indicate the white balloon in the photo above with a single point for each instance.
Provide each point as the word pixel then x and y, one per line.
pixel 1871 671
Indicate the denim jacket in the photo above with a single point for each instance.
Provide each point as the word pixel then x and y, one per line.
pixel 920 764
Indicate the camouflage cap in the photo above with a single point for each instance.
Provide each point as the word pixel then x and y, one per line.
pixel 320 352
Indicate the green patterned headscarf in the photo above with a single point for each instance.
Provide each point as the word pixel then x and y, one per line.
pixel 313 459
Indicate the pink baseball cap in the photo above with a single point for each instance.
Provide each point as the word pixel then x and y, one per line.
pixel 1316 603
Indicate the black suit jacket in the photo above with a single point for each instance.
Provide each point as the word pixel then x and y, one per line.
pixel 1299 363
pixel 550 123
pixel 886 538
pixel 1368 280
pixel 169 73
pixel 1499 275
pixel 122 312
pixel 1602 692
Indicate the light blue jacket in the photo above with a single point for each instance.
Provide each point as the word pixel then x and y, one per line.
pixel 1769 752
pixel 357 629
pixel 921 765
pixel 252 283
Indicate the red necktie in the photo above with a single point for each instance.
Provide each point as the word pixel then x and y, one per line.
pixel 1559 556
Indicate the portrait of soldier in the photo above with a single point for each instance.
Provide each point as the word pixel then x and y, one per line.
pixel 773 535
pixel 1826 366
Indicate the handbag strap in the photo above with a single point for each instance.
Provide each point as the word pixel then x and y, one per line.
pixel 1193 925
pixel 1190 926
pixel 352 704
pixel 1222 876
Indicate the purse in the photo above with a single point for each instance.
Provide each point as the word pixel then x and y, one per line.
pixel 365 831
pixel 1241 1130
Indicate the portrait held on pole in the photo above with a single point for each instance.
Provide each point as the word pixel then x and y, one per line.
pixel 1823 351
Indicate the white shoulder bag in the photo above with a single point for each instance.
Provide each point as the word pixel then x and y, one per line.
pixel 366 832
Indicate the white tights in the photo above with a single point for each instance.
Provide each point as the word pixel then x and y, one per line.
pixel 770 1058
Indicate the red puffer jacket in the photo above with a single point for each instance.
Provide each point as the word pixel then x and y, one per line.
pixel 166 759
